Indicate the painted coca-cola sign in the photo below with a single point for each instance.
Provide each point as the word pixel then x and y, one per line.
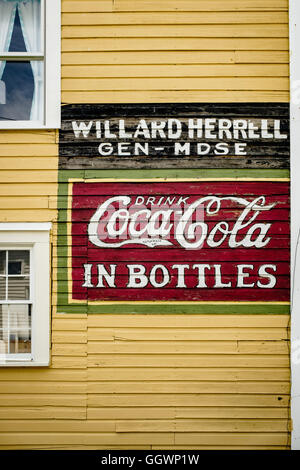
pixel 178 240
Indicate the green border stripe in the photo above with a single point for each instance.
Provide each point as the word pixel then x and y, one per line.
pixel 218 309
pixel 259 309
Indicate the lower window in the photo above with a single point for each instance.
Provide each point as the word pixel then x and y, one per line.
pixel 24 294
pixel 15 302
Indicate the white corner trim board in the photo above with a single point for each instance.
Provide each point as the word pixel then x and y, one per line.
pixel 294 12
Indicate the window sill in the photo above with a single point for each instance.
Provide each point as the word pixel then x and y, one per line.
pixel 25 364
pixel 25 125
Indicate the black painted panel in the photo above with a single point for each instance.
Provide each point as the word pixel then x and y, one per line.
pixel 83 152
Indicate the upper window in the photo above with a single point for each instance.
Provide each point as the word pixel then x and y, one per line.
pixel 29 63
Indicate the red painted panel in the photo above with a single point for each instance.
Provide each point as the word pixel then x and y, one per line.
pixel 191 241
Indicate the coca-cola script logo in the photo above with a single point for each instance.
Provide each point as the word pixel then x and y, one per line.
pixel 124 220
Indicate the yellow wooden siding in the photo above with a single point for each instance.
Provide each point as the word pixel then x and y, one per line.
pixel 28 176
pixel 143 381
pixel 177 51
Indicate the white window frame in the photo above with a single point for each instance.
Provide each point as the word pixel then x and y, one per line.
pixel 36 238
pixel 51 13
pixel 294 20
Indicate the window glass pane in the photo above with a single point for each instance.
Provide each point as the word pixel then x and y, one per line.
pixel 18 262
pixel 15 329
pixel 21 98
pixel 17 43
pixel 18 344
pixel 7 20
pixel 2 288
pixel 3 343
pixel 20 318
pixel 2 262
pixel 20 26
pixel 18 288
pixel 3 317
pixel 15 267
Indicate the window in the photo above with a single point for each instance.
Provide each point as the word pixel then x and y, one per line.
pixel 29 64
pixel 24 294
pixel 15 302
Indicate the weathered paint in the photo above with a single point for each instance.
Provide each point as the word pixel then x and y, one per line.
pixel 172 135
pixel 132 242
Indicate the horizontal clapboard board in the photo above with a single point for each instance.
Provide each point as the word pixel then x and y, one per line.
pixel 181 135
